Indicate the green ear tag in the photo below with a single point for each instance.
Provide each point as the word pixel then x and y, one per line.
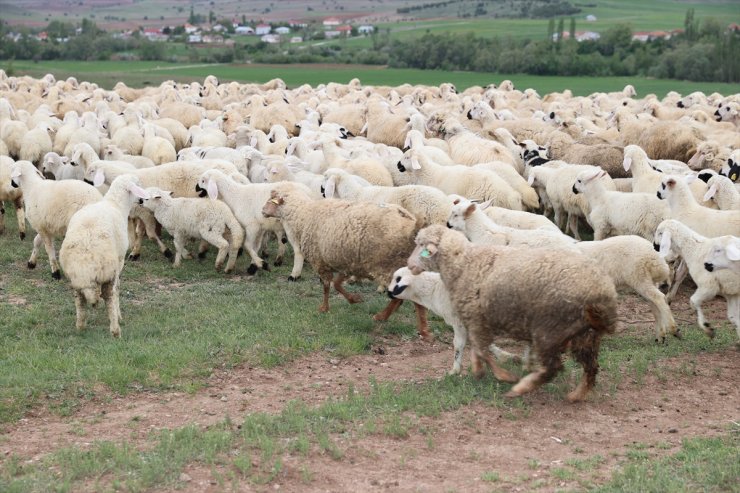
pixel 425 253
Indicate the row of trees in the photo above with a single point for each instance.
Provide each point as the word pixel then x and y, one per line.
pixel 712 55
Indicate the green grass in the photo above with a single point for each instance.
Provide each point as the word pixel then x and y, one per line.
pixel 138 74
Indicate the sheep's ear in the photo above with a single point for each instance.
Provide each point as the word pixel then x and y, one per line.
pixel 670 183
pixel 521 144
pixel 456 201
pixel 212 189
pixel 99 178
pixel 627 163
pixel 15 173
pixel 710 193
pixel 530 179
pixel 407 141
pixel 469 211
pixel 364 128
pixel 168 193
pixel 136 190
pixel 665 244
pixel 690 178
pixel 331 184
pixel 64 159
pixel 253 141
pixel 428 251
pixel 273 170
pixel 415 163
pixel 485 205
pixel 733 252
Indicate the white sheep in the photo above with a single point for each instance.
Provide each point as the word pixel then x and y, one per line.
pixel 723 192
pixel 208 220
pixel 708 222
pixel 36 143
pixel 619 213
pixel 246 203
pixel 49 205
pixel 676 237
pixel 94 249
pixel 725 254
pixel 156 148
pixel 428 290
pixel 114 153
pixel 9 193
pixel 461 180
pixel 61 168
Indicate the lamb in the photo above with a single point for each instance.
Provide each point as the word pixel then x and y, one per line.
pixel 428 290
pixel 36 143
pixel 246 202
pixel 114 153
pixel 285 171
pixel 353 239
pixel 94 249
pixel 675 237
pixel 60 167
pixel 550 299
pixel 461 180
pixel 49 205
pixel 507 173
pixel 708 222
pixel 723 192
pixel 468 148
pixel 208 220
pixel 156 148
pixel 725 254
pixel 669 140
pixel 562 147
pixel 428 204
pixel 618 213
pixel 8 193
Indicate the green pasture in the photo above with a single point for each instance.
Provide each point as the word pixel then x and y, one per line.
pixel 138 74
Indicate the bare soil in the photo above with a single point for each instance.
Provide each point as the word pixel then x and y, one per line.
pixel 475 448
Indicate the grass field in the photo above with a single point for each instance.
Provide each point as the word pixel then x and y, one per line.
pixel 138 74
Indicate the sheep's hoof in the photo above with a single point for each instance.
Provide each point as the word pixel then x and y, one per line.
pixel 168 253
pixel 678 335
pixel 323 309
pixel 293 279
pixel 511 394
pixel 266 266
pixel 265 255
pixel 56 275
pixel 201 255
pixel 354 298
pixel 278 262
pixel 709 330
pixel 22 235
pixel 252 269
pixel 31 265
pixel 283 240
pixel 116 335
pixel 239 253
pixel 134 256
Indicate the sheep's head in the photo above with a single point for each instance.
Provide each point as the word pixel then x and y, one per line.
pixel 667 185
pixel 662 240
pixel 478 111
pixel 155 197
pixel 94 175
pixel 532 153
pixel 726 112
pixel 585 178
pixel 408 162
pixel 732 170
pixel 207 185
pixel 460 212
pixel 725 254
pixel 427 246
pixel 402 279
pixel 272 207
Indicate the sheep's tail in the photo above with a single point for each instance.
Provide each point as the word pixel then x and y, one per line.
pixel 91 295
pixel 602 317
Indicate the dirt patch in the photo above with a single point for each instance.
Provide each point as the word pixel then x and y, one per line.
pixel 475 448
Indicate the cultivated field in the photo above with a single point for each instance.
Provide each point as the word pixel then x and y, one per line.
pixel 137 74
pixel 238 383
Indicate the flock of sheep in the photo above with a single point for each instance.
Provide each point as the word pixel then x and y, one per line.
pixel 439 197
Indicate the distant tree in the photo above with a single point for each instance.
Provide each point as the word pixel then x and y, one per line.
pixel 550 29
pixel 572 31
pixel 711 27
pixel 561 29
pixel 691 25
pixel 211 17
pixel 192 19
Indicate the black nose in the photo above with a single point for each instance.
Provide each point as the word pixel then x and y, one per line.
pixel 322 191
pixel 87 181
pixel 708 266
pixel 350 134
pixel 13 184
pixel 390 294
pixel 197 188
pixel 449 225
pixel 574 190
pixel 680 104
pixel 656 247
pixel 658 194
pixel 716 113
pixel 401 167
pixel 470 114
pixel 141 201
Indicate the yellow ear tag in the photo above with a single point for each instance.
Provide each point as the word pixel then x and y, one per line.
pixel 425 253
pixel 733 177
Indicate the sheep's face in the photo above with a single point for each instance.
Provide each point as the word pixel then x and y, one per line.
pixel 76 158
pixel 154 198
pixel 585 177
pixel 724 256
pixel 408 163
pixel 272 207
pixel 733 169
pixel 477 111
pixel 533 154
pixel 427 245
pixel 461 211
pixel 666 186
pixel 402 279
pixel 663 245
pixel 725 112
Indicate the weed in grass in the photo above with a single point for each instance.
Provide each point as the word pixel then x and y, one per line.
pixel 490 476
pixel 585 464
pixel 327 445
pixel 635 455
pixel 563 474
pixel 243 464
pixel 533 464
pixel 306 475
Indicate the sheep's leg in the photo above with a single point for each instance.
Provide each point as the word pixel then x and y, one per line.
pixel 109 292
pixel 351 297
pixel 326 283
pixel 51 252
pixel 559 219
pixel 233 251
pixel 422 325
pixel 498 372
pixel 502 355
pixel 298 259
pixel 664 322
pixel 136 244
pixel 458 343
pixel 252 243
pixel 573 225
pixel 388 310
pixel 697 299
pixel 679 275
pixel 219 242
pixel 2 217
pixel 20 216
pixel 733 313
pixel 281 240
pixel 80 309
pixel 202 249
pixel 585 350
pixel 180 250
pixel 550 366
pixel 150 225
pixel 37 241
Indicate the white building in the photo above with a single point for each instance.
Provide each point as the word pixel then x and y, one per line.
pixel 262 29
pixel 365 29
pixel 282 30
pixel 244 30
